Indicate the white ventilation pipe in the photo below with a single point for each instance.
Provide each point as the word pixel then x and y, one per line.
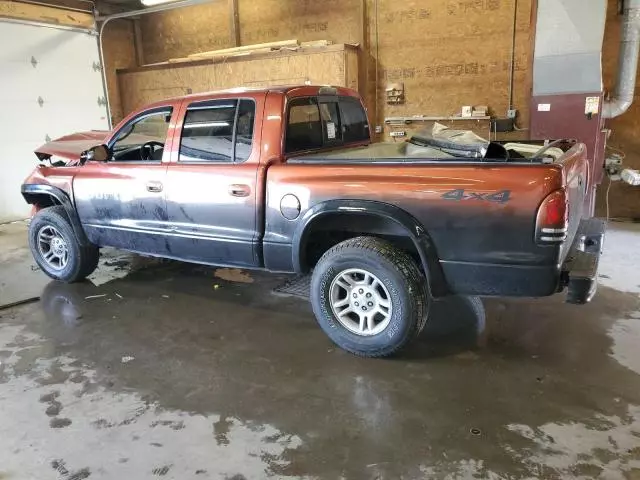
pixel 627 62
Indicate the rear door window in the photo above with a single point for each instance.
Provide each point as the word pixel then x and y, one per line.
pixel 244 129
pixel 355 125
pixel 314 123
pixel 304 130
pixel 218 131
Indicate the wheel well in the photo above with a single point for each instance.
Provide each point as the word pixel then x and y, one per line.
pixel 41 200
pixel 331 229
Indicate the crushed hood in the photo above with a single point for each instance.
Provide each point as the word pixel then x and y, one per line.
pixel 71 146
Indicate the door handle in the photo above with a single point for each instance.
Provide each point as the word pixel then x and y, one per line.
pixel 154 187
pixel 239 190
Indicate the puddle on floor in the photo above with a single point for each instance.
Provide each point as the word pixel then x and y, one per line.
pixel 57 418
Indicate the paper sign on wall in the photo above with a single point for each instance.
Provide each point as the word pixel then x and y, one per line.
pixel 592 105
pixel 331 130
pixel 544 107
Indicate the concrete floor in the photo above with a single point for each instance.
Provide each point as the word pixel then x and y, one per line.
pixel 178 373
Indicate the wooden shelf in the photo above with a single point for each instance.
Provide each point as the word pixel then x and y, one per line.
pixel 407 120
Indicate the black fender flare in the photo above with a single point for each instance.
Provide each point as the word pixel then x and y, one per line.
pixel 415 231
pixel 63 199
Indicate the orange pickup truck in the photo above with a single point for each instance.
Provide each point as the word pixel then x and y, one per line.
pixel 286 179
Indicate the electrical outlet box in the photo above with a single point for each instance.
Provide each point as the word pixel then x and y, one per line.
pixel 378 128
pixel 512 113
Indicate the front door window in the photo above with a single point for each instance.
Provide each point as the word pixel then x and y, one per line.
pixel 143 138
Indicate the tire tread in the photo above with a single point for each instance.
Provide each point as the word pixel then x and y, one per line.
pixel 88 254
pixel 415 282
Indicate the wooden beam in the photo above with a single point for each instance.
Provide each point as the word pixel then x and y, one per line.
pixel 137 42
pixel 363 54
pixel 246 48
pixel 41 13
pixel 85 6
pixel 234 23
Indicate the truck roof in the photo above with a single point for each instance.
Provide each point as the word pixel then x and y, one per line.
pixel 304 90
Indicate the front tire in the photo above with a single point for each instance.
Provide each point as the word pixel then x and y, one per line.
pixel 56 249
pixel 369 297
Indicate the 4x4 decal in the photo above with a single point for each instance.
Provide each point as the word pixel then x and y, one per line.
pixel 459 194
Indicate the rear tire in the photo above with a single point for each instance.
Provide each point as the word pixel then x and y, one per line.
pixel 369 297
pixel 56 249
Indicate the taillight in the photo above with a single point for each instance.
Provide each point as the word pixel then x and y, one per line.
pixel 553 219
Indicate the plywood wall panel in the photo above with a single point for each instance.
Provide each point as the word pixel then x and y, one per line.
pixel 318 66
pixel 119 52
pixel 450 54
pixel 206 27
pixel 178 33
pixel 272 20
pixel 352 71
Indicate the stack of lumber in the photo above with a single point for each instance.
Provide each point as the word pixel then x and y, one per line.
pixel 291 45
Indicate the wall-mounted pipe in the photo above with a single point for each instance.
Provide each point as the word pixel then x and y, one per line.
pixel 627 62
pixel 135 13
pixel 512 63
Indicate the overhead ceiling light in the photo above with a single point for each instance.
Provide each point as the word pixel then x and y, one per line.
pixel 153 3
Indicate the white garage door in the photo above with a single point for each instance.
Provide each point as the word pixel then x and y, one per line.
pixel 50 85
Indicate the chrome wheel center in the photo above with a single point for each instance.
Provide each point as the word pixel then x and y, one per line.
pixel 57 245
pixel 52 247
pixel 360 302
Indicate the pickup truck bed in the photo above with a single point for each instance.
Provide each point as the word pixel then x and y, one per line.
pixel 476 213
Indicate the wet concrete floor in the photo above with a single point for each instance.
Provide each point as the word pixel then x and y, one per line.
pixel 178 371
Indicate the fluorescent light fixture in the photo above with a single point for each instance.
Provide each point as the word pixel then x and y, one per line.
pixel 153 3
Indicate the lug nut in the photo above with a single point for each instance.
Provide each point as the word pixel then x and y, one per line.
pixel 361 291
pixel 370 304
pixel 368 295
pixel 355 295
pixel 357 304
pixel 364 308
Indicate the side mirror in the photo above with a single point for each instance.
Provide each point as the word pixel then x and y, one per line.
pixel 99 153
